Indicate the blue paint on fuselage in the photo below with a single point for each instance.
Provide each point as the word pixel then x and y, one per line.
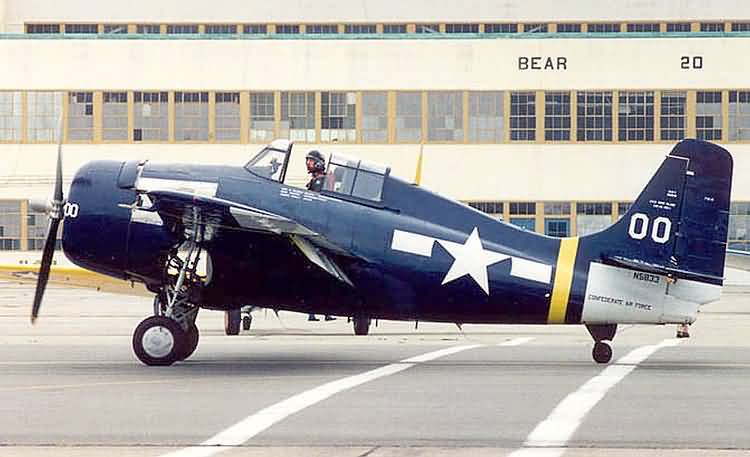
pixel 388 283
pixel 96 239
pixel 397 284
pixel 268 270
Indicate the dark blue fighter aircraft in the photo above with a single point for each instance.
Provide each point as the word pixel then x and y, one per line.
pixel 370 245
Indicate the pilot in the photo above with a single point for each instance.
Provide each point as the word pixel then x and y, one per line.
pixel 316 166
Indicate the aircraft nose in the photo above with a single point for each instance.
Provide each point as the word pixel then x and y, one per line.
pixel 95 232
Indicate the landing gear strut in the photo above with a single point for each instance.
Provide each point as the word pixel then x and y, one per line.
pixel 361 324
pixel 170 335
pixel 232 321
pixel 603 334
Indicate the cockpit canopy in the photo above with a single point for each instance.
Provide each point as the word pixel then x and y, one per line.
pixel 346 177
pixel 355 178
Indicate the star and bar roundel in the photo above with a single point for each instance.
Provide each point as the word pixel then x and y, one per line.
pixel 470 258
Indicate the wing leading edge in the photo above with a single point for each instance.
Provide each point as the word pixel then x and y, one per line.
pixel 224 214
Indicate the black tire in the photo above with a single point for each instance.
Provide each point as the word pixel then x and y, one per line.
pixel 158 341
pixel 602 352
pixel 247 321
pixel 361 325
pixel 232 321
pixel 191 341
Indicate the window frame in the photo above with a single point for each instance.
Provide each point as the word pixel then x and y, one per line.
pixel 187 101
pixel 587 134
pixel 368 116
pixel 404 117
pixel 53 116
pixel 265 116
pixel 310 131
pixel 704 132
pixel 527 131
pixel 128 103
pixel 329 115
pixel 473 131
pixel 664 130
pixel 163 118
pixel 88 102
pixel 14 116
pixel 562 116
pixel 624 130
pixel 437 115
pixel 735 112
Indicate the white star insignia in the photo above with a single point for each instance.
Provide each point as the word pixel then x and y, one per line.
pixel 471 259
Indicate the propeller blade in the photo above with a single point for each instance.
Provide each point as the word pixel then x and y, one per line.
pixel 41 282
pixel 55 215
pixel 58 195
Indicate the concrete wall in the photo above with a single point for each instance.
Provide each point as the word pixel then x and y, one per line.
pixel 486 64
pixel 20 11
pixel 3 19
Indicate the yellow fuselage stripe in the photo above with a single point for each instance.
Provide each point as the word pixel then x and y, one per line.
pixel 566 261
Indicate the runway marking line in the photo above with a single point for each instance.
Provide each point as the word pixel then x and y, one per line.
pixel 254 424
pixel 550 436
pixel 516 341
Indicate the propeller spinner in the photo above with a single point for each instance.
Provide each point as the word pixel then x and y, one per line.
pixel 55 212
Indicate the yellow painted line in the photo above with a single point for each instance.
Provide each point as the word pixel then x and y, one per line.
pixel 566 260
pixel 35 269
pixel 72 276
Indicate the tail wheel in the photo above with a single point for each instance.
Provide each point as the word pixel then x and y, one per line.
pixel 232 321
pixel 602 352
pixel 247 321
pixel 159 341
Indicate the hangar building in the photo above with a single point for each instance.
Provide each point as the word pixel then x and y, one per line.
pixel 548 116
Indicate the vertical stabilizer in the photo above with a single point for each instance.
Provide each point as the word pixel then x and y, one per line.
pixel 678 224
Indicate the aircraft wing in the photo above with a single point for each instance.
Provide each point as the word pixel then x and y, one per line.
pixel 224 214
pixel 218 212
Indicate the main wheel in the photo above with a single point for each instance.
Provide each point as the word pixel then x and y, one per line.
pixel 361 325
pixel 602 352
pixel 158 341
pixel 191 341
pixel 232 321
pixel 247 321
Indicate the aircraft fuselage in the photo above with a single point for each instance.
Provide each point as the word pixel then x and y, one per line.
pixel 419 256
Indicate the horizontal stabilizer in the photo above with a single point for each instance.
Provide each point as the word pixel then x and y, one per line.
pixel 665 270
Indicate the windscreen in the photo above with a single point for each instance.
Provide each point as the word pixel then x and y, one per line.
pixel 269 164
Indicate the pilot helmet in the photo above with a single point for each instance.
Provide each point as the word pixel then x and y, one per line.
pixel 318 160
